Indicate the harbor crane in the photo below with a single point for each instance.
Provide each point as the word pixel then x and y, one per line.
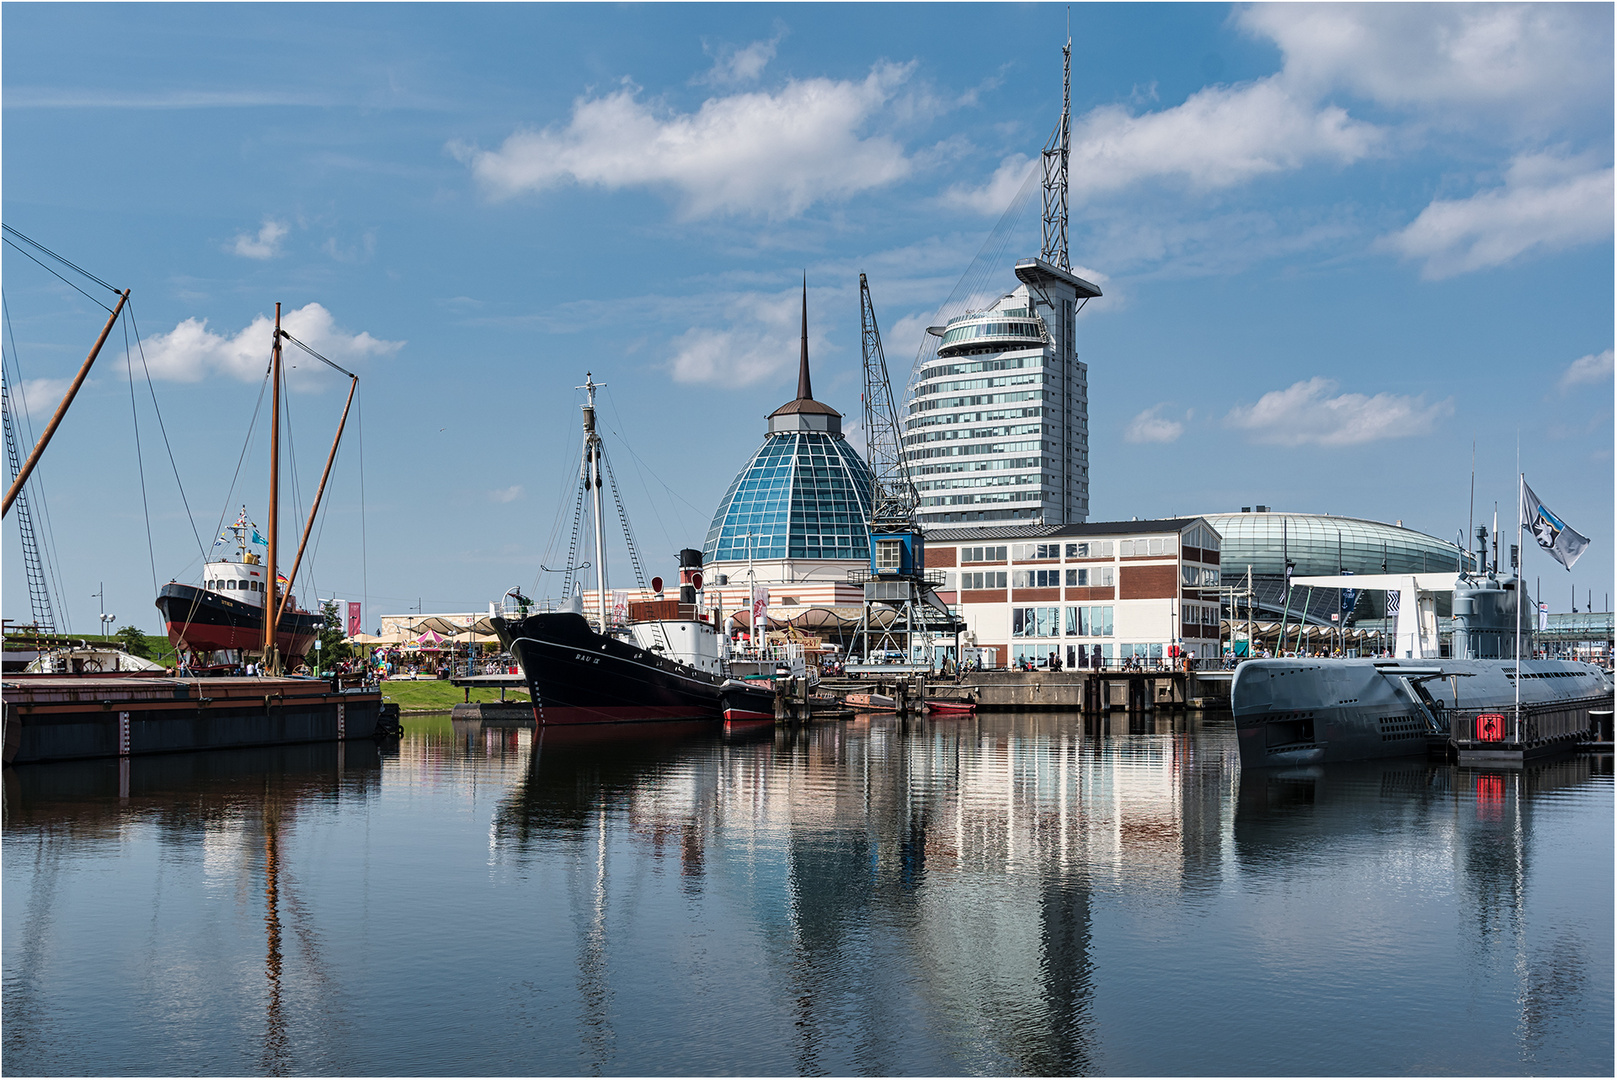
pixel 902 610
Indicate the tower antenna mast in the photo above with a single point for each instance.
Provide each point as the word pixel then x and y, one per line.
pixel 1053 248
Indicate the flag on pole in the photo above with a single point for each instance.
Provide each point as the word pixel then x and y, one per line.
pixel 353 617
pixel 1555 536
pixel 1393 598
pixel 259 539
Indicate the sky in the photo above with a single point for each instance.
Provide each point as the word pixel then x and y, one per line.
pixel 1338 246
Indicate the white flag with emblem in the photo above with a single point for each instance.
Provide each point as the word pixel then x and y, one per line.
pixel 1554 535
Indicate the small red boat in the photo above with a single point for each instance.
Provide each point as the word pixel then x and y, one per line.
pixel 955 708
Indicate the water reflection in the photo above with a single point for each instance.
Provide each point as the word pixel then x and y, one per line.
pixel 1029 894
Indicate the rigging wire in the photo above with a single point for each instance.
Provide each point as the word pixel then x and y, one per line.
pixel 364 549
pixel 163 429
pixel 59 277
pixel 37 481
pixel 638 462
pixel 252 426
pixel 987 262
pixel 58 258
pixel 140 459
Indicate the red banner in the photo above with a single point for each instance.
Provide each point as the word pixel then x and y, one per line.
pixel 353 617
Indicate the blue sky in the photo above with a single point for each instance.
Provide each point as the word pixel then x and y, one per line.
pixel 1337 245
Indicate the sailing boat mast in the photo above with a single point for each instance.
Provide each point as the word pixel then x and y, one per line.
pixel 592 477
pixel 270 607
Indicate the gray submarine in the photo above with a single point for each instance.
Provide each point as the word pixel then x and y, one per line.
pixel 1490 707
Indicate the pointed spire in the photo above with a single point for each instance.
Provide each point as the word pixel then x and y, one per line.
pixel 805 391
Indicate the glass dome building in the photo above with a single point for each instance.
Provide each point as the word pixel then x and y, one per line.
pixel 1321 544
pixel 805 494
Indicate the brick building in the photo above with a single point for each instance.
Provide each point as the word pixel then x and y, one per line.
pixel 1106 590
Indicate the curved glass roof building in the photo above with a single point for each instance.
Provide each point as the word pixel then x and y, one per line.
pixel 805 494
pixel 1323 544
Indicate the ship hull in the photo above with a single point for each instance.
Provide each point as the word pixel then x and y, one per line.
pixel 204 621
pixel 743 703
pixel 1307 712
pixel 577 676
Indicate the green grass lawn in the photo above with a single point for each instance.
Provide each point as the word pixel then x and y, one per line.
pixel 439 694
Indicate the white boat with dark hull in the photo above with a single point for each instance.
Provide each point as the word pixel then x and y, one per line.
pixel 1306 711
pixel 664 662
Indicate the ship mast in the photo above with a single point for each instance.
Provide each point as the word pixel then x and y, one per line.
pixel 592 478
pixel 271 660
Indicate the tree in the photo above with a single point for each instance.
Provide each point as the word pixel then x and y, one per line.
pixel 334 648
pixel 133 639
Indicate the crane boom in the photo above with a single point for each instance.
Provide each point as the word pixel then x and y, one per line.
pixel 895 498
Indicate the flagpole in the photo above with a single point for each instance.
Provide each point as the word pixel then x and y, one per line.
pixel 1521 580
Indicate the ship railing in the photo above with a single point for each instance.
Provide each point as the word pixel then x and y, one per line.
pixel 1526 724
pixel 787 651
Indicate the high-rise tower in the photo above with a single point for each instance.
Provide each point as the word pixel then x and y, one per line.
pixel 997 426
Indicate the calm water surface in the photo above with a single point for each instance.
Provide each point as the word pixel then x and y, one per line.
pixel 1011 894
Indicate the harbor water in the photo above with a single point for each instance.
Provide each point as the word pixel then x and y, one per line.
pixel 1006 894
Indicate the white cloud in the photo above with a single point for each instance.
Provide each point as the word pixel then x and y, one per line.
pixel 1546 204
pixel 994 196
pixel 1493 62
pixel 1303 413
pixel 1151 427
pixel 752 153
pixel 738 65
pixel 266 245
pixel 505 495
pixel 191 352
pixel 1594 368
pixel 41 396
pixel 765 346
pixel 1221 136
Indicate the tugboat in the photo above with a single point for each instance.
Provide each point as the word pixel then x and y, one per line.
pixel 662 660
pixel 226 612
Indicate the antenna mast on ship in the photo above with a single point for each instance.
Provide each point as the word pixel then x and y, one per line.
pixel 272 662
pixel 1053 249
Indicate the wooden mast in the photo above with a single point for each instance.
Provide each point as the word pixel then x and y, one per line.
pixel 319 492
pixel 61 410
pixel 271 660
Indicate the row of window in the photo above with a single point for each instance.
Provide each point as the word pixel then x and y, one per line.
pixel 1021 378
pixel 218 585
pixel 975 418
pixel 979 399
pixel 1077 578
pixel 1206 614
pixel 991 329
pixel 986 579
pixel 1084 621
pixel 1205 577
pixel 974 433
pixel 1202 537
pixel 971 449
pixel 1028 495
pixel 1011 480
pixel 980 466
pixel 1005 363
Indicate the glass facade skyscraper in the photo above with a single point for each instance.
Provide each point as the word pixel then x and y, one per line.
pixel 997 427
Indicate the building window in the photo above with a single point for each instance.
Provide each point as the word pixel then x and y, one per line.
pixel 1036 579
pixel 1090 549
pixel 1035 622
pixel 985 579
pixel 1036 551
pixel 1090 621
pixel 1093 576
pixel 983 554
pixel 1155 545
pixel 889 554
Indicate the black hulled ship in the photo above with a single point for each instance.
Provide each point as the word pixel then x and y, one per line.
pixel 657 660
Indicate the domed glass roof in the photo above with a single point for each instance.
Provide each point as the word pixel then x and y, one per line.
pixel 1322 544
pixel 804 495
